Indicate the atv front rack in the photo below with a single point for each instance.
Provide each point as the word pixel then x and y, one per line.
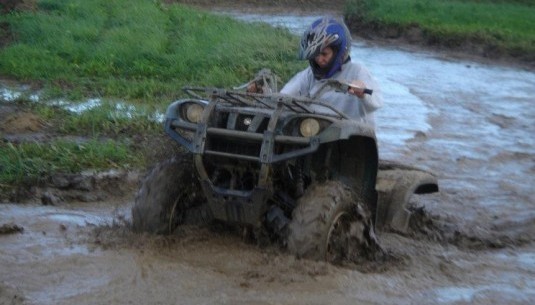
pixel 270 101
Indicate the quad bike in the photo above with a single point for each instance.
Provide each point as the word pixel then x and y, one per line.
pixel 288 167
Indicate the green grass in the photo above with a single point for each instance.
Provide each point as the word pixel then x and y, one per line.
pixel 34 162
pixel 506 25
pixel 138 50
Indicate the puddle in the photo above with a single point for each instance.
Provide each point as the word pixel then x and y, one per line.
pixel 493 294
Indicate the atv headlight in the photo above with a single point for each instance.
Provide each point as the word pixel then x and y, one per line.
pixel 309 127
pixel 194 112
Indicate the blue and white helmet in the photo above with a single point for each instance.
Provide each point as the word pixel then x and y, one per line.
pixel 326 32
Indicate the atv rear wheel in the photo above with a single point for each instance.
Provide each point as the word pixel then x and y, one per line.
pixel 170 195
pixel 330 223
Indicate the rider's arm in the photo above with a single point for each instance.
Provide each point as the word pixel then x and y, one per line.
pixel 364 79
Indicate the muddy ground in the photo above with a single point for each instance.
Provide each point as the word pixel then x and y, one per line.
pixel 69 242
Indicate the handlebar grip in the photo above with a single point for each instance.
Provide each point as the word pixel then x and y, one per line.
pixel 368 91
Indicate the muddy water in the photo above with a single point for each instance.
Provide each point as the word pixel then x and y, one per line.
pixel 470 123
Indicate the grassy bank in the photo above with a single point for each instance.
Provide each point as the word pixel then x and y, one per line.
pixel 485 27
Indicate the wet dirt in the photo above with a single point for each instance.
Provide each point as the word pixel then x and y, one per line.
pixel 86 254
pixel 472 243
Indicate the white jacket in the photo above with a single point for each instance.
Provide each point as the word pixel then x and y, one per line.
pixel 360 109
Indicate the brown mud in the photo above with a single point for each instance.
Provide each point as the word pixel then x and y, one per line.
pixel 87 254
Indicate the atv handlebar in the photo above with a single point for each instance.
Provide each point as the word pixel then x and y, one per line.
pixel 344 86
pixel 269 98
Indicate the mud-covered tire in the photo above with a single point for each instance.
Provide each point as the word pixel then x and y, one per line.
pixel 169 195
pixel 330 223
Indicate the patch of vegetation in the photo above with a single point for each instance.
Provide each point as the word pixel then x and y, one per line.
pixel 34 162
pixel 500 27
pixel 106 135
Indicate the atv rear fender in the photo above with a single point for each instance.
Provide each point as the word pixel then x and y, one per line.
pixel 396 184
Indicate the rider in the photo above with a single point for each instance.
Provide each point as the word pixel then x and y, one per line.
pixel 326 45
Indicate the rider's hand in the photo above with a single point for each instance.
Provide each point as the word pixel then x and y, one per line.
pixel 358 88
pixel 254 87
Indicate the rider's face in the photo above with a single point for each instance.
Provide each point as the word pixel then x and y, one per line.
pixel 324 57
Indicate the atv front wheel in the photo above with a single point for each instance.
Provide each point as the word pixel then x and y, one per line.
pixel 330 223
pixel 169 196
